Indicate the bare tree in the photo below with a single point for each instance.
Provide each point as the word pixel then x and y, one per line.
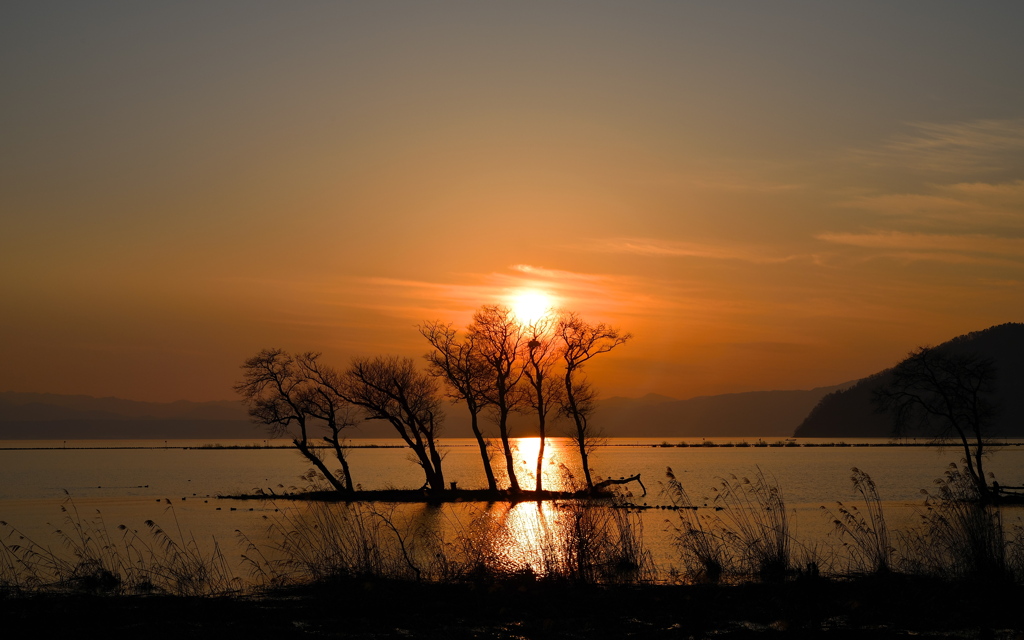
pixel 390 388
pixel 947 395
pixel 280 396
pixel 581 341
pixel 326 403
pixel 544 389
pixel 500 340
pixel 462 367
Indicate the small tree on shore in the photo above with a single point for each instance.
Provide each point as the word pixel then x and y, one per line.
pixel 460 364
pixel 326 403
pixel 544 391
pixel 390 388
pixel 500 339
pixel 948 396
pixel 582 341
pixel 280 395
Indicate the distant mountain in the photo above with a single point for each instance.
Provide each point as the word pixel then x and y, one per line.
pixel 21 404
pixel 752 414
pixel 616 402
pixel 732 415
pixel 850 413
pixel 48 416
pixel 51 416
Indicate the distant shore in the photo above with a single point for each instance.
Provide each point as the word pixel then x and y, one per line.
pixel 788 442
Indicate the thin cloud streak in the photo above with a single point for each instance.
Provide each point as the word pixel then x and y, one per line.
pixel 621 295
pixel 974 146
pixel 967 204
pixel 936 247
pixel 670 249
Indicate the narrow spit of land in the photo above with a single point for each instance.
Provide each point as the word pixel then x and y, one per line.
pixel 204 447
pixel 416 495
pixel 636 445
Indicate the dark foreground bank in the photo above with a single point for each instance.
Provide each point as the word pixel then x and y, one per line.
pixel 879 607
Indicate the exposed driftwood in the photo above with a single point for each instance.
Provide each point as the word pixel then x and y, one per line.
pixel 611 481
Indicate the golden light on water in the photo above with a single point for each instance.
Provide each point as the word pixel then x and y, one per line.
pixel 533 533
pixel 556 475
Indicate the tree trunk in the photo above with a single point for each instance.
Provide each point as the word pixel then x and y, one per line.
pixel 608 483
pixel 510 467
pixel 318 463
pixel 540 456
pixel 581 429
pixel 341 459
pixel 436 477
pixel 492 484
pixel 585 461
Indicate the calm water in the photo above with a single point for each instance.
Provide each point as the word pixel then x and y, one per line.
pixel 128 486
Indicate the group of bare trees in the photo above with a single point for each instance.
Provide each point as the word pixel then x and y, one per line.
pixel 497 366
pixel 288 393
pixel 501 364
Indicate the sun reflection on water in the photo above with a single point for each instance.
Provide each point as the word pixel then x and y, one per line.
pixel 557 476
pixel 526 537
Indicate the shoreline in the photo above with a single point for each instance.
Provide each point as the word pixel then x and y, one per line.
pixel 884 606
pixel 785 443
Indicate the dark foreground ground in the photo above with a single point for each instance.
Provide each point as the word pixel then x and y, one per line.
pixel 872 607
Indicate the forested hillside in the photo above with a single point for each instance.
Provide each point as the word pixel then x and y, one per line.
pixel 851 412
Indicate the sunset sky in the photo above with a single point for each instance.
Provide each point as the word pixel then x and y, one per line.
pixel 768 195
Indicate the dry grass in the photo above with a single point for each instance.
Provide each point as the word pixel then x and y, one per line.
pixel 697 537
pixel 95 561
pixel 960 537
pixel 577 541
pixel 741 533
pixel 746 529
pixel 863 532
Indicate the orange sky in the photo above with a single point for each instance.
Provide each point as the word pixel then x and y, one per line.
pixel 767 195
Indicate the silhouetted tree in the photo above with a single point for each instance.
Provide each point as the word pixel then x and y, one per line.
pixel 500 340
pixel 581 341
pixel 462 367
pixel 544 389
pixel 946 395
pixel 326 403
pixel 279 395
pixel 390 388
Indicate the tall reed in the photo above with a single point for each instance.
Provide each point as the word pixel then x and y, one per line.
pixel 328 540
pixel 863 532
pixel 601 544
pixel 97 562
pixel 746 530
pixel 752 516
pixel 961 535
pixel 575 540
pixel 696 536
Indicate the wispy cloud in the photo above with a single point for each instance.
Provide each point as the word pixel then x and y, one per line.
pixel 963 249
pixel 979 145
pixel 741 184
pixel 676 249
pixel 971 204
pixel 598 293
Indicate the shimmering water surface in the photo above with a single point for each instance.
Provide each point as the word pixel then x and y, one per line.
pixel 180 481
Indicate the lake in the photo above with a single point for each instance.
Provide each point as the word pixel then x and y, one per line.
pixel 179 481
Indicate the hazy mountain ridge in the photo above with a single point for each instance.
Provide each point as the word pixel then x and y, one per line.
pixel 47 406
pixel 850 413
pixel 749 414
pixel 50 416
pixel 53 416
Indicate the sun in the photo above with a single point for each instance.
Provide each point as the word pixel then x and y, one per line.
pixel 531 305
